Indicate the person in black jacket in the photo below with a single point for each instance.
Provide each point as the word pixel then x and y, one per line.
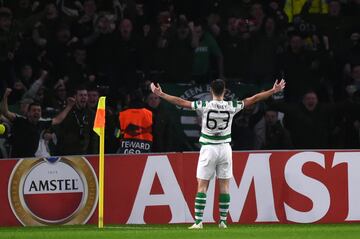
pixel 270 133
pixel 310 122
pixel 75 134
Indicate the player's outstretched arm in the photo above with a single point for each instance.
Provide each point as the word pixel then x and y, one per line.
pixel 278 86
pixel 156 89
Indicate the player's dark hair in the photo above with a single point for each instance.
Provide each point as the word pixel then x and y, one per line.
pixel 218 87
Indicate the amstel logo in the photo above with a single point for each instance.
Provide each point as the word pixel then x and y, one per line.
pixel 53 191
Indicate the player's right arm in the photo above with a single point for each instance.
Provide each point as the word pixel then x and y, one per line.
pixel 278 86
pixel 4 106
pixel 156 89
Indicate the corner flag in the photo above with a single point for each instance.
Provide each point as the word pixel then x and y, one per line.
pixel 99 122
pixel 99 128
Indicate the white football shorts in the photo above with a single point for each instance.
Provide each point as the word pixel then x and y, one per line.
pixel 215 159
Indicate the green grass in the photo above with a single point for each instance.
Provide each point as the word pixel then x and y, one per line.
pixel 274 231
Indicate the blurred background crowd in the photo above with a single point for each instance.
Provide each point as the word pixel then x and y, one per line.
pixel 58 56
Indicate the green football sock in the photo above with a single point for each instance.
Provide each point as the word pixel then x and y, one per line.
pixel 224 203
pixel 200 202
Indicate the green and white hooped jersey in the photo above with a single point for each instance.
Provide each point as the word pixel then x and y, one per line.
pixel 217 118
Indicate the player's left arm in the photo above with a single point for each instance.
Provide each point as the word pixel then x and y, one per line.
pixel 156 89
pixel 278 86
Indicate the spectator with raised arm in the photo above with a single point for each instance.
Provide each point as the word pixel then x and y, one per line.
pixel 75 134
pixel 35 86
pixel 27 130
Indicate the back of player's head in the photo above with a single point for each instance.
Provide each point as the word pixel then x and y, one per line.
pixel 218 87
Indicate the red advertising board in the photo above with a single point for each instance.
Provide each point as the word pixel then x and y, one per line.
pixel 269 186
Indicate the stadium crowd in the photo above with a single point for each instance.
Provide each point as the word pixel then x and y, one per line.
pixel 58 56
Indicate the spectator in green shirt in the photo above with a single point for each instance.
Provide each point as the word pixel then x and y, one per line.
pixel 205 47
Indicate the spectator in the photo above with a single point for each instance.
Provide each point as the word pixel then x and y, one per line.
pixel 310 122
pixel 69 8
pixel 83 28
pixel 26 75
pixel 75 134
pixel 93 98
pixel 19 90
pixel 243 9
pixel 111 141
pixel 270 134
pixel 24 106
pixel 56 99
pixel 276 10
pixel 266 46
pixel 45 30
pixel 334 8
pixel 346 134
pixel 24 9
pixel 27 131
pixel 295 8
pixel 159 57
pixel 315 7
pixel 243 136
pixel 205 47
pixel 8 41
pixel 354 83
pixel 353 56
pixel 104 25
pixel 182 54
pixel 36 87
pixel 141 17
pixel 127 51
pixel 59 49
pixel 163 130
pixel 299 66
pixel 78 71
pixel 121 8
pixel 4 144
pixel 236 51
pixel 335 26
pixel 257 14
pixel 214 21
pixel 353 8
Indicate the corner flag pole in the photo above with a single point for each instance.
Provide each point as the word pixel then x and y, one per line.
pixel 99 128
pixel 101 179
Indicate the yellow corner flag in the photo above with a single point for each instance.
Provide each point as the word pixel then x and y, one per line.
pixel 99 122
pixel 99 128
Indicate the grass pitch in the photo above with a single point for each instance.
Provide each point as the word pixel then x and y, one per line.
pixel 273 231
